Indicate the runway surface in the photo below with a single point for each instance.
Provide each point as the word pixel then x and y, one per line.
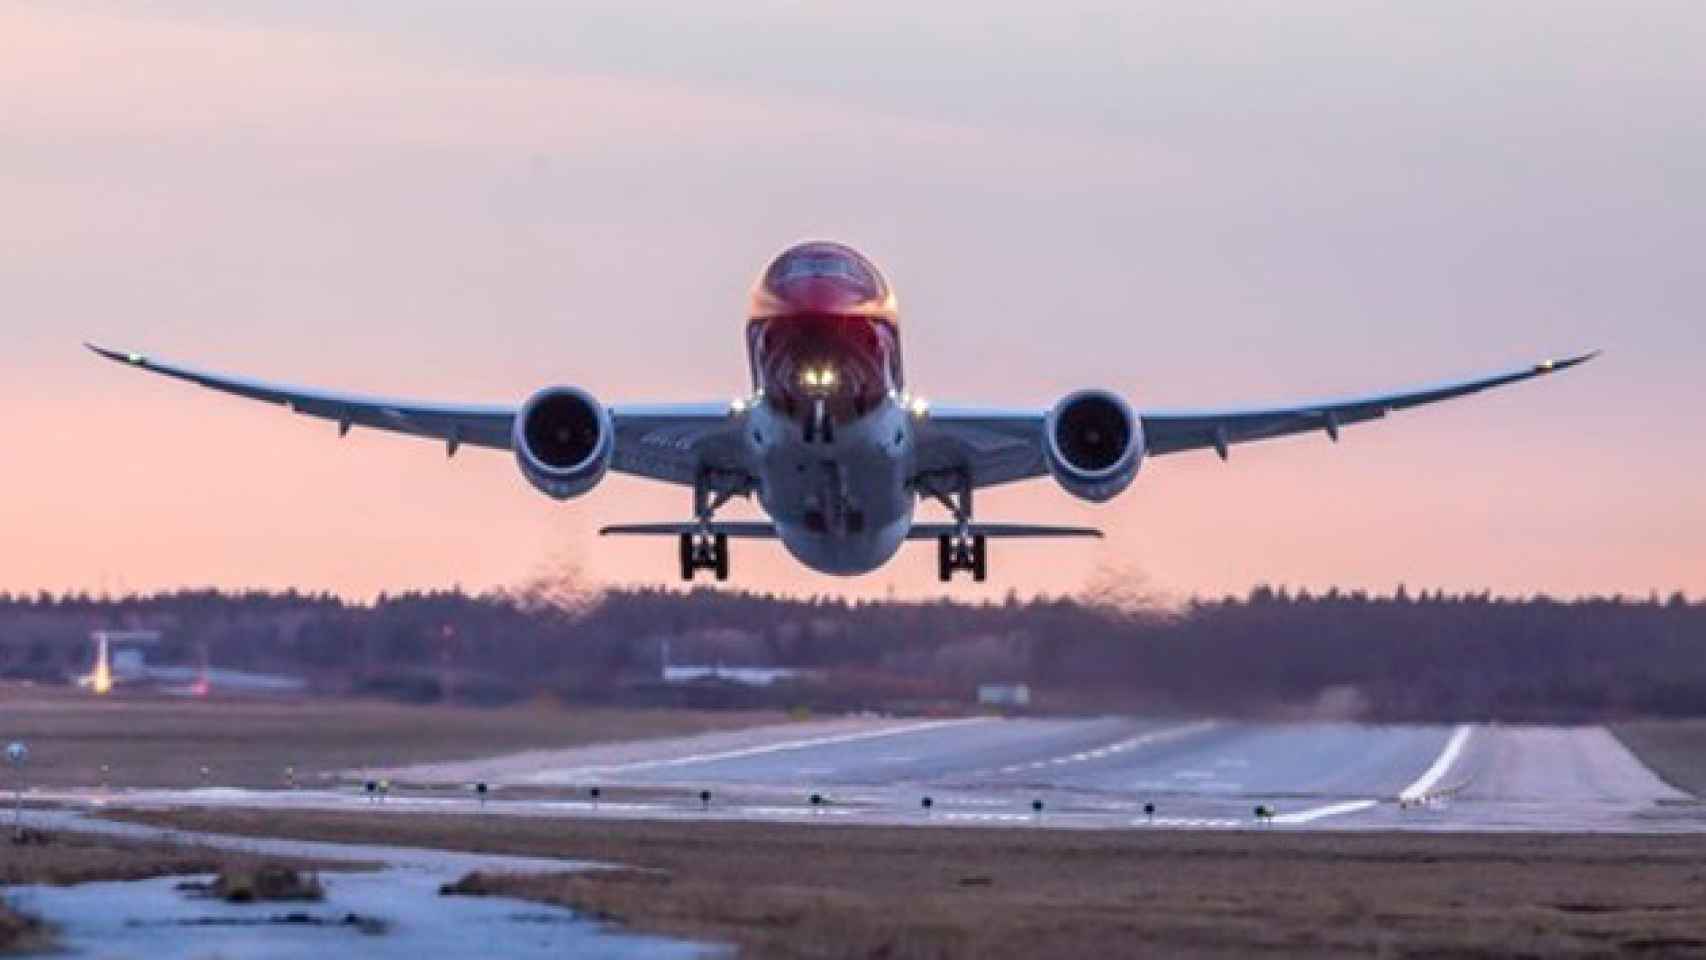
pixel 1084 772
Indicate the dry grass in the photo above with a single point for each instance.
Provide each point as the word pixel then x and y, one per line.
pixel 164 742
pixel 22 933
pixel 1673 749
pixel 839 891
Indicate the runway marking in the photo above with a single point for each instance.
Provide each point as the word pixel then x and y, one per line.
pixel 1130 743
pixel 1219 823
pixel 1330 810
pixel 759 750
pixel 1441 766
pixel 1410 794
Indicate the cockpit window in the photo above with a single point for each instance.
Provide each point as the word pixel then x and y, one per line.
pixel 805 263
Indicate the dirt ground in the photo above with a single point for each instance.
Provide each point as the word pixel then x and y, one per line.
pixel 787 890
pixel 165 742
pixel 1673 749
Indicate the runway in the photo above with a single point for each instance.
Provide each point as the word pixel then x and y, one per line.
pixel 1093 772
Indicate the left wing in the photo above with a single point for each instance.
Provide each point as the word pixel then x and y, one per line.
pixel 669 442
pixel 1000 446
pixel 1175 431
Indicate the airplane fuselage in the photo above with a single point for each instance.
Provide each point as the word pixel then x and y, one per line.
pixel 830 436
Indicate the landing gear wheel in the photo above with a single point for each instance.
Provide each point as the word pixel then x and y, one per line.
pixel 705 552
pixel 970 554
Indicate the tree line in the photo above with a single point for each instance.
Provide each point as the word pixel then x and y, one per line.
pixel 1271 652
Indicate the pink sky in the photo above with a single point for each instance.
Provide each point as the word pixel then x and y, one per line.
pixel 1230 206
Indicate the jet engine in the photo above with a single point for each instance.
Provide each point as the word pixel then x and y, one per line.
pixel 563 439
pixel 1094 444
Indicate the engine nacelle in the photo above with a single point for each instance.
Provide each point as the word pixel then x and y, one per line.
pixel 1094 444
pixel 563 439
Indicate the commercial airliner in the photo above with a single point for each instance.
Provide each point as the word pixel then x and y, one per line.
pixel 831 440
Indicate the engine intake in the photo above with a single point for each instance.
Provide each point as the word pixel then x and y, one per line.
pixel 563 439
pixel 1094 444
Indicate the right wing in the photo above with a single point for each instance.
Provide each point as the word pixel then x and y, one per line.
pixel 668 442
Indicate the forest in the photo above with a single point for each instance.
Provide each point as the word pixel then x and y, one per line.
pixel 1270 653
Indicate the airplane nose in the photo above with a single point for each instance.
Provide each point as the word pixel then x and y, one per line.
pixel 821 294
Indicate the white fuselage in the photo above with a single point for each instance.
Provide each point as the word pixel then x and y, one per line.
pixel 843 506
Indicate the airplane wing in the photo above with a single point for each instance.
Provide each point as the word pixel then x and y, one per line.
pixel 669 442
pixel 1000 446
pixel 764 530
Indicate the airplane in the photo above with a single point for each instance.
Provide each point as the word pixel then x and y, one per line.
pixel 831 440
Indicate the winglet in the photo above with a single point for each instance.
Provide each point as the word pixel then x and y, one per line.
pixel 1553 366
pixel 134 359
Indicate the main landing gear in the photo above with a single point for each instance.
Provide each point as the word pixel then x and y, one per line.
pixel 961 550
pixel 705 551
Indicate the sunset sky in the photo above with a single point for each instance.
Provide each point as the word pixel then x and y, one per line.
pixel 1203 204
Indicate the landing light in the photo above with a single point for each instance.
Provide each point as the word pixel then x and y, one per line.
pixel 920 407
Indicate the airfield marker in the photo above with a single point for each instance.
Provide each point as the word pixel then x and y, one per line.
pixel 704 799
pixel 1149 812
pixel 595 792
pixel 480 791
pixel 1037 808
pixel 16 754
pixel 928 802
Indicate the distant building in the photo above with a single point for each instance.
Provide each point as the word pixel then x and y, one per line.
pixel 1004 694
pixel 718 673
pixel 751 676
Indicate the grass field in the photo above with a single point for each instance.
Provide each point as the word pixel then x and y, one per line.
pixel 1673 749
pixel 165 742
pixel 66 858
pixel 783 890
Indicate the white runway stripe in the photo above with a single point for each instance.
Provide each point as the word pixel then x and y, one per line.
pixel 1130 743
pixel 1441 766
pixel 1330 810
pixel 760 750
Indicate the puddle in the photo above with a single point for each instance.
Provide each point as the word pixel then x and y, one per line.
pixel 385 914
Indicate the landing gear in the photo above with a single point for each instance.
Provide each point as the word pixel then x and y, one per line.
pixel 702 551
pixel 962 553
pixel 963 550
pixel 705 549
